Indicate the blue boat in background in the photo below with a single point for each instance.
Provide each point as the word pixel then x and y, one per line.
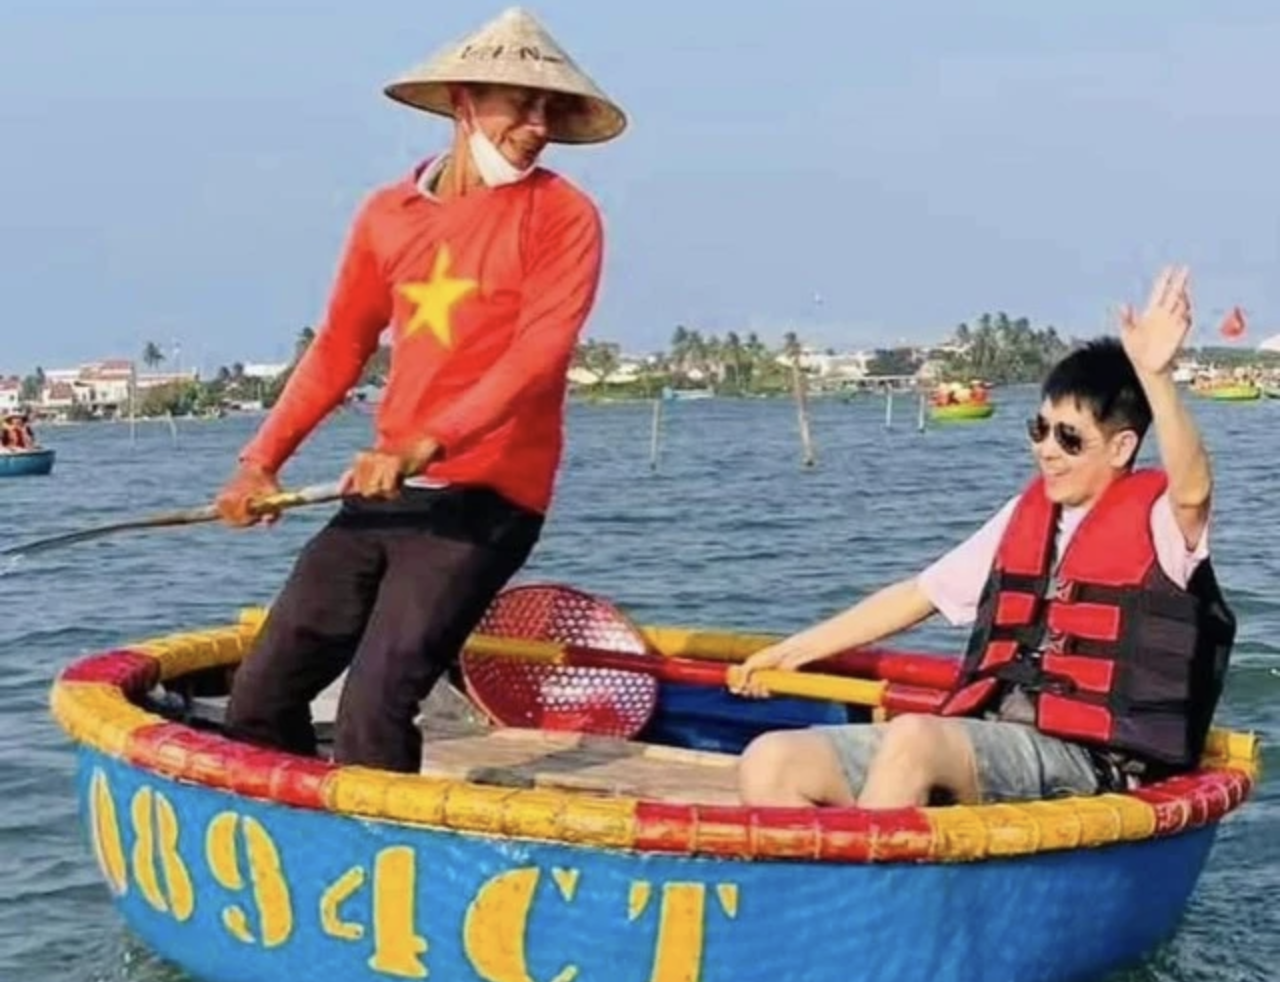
pixel 26 463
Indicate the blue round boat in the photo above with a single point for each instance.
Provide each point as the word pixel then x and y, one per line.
pixel 26 463
pixel 245 865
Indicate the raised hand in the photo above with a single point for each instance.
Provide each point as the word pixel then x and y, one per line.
pixel 1153 339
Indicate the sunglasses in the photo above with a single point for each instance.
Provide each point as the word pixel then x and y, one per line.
pixel 1069 438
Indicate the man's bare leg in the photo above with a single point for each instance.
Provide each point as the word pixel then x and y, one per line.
pixel 795 768
pixel 918 754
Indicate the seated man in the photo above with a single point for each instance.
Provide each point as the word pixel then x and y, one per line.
pixel 14 438
pixel 1100 638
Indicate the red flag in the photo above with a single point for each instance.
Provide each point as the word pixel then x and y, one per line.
pixel 1233 324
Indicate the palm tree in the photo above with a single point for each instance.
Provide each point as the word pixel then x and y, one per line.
pixel 600 358
pixel 734 355
pixel 33 386
pixel 791 346
pixel 305 337
pixel 152 355
pixel 680 349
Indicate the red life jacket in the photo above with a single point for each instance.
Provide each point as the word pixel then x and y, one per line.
pixel 1110 652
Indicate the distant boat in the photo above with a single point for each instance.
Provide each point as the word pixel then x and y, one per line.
pixel 1234 392
pixel 26 463
pixel 961 403
pixel 962 411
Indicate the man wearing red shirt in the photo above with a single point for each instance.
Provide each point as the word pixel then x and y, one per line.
pixel 485 267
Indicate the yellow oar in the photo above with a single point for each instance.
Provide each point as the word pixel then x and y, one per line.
pixel 804 685
pixel 311 495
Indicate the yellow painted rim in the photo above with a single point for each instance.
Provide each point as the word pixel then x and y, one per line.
pixel 93 701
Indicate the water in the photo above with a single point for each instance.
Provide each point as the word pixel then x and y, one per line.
pixel 730 531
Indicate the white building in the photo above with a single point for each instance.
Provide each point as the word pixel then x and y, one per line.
pixel 10 394
pixel 839 365
pixel 104 383
pixel 628 370
pixel 103 386
pixel 265 370
pixel 61 396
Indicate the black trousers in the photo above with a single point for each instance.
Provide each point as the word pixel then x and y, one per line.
pixel 390 589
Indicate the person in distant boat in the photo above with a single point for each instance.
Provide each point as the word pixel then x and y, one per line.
pixel 28 434
pixel 16 434
pixel 485 266
pixel 1100 637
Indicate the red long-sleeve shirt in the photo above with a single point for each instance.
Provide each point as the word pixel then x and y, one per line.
pixel 486 295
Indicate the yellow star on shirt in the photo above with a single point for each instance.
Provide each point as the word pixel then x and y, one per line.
pixel 435 298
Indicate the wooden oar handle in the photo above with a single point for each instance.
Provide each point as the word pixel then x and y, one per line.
pixel 311 495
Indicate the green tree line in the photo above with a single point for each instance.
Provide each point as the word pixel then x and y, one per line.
pixel 995 348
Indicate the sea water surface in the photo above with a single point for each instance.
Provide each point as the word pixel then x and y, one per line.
pixel 729 531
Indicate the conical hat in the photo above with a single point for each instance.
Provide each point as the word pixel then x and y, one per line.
pixel 513 49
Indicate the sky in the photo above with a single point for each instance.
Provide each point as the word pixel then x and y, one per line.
pixel 862 173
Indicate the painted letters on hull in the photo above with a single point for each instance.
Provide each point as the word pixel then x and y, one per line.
pixel 239 890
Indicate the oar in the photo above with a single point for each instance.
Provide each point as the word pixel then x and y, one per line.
pixel 310 495
pixel 804 685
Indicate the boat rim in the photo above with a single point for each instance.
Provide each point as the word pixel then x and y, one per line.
pixel 97 701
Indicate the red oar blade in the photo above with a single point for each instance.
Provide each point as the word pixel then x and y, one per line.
pixel 587 699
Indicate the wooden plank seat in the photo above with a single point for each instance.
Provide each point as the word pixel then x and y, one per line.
pixel 513 757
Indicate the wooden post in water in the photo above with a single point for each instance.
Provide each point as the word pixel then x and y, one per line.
pixel 657 429
pixel 802 410
pixel 888 407
pixel 920 421
pixel 133 403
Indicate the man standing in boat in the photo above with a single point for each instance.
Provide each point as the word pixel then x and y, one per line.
pixel 485 266
pixel 1100 638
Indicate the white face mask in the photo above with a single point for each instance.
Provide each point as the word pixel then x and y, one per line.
pixel 495 169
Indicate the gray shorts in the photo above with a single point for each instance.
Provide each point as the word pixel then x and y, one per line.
pixel 1015 762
